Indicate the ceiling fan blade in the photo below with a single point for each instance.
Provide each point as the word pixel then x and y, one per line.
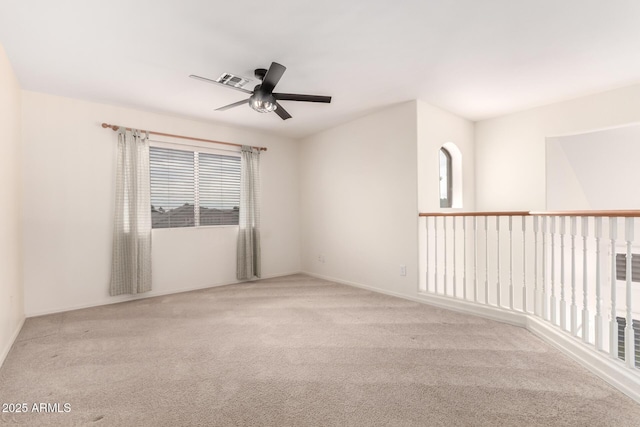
pixel 235 104
pixel 305 98
pixel 282 112
pixel 273 76
pixel 204 79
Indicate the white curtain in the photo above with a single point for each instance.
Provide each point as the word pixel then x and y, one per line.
pixel 131 262
pixel 249 223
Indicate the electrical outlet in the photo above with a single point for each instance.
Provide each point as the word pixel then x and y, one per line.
pixel 321 258
pixel 403 270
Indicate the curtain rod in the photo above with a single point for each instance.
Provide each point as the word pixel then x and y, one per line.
pixel 116 127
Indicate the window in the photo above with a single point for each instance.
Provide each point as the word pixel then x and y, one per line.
pixel 446 197
pixel 621 267
pixel 622 324
pixel 450 176
pixel 193 188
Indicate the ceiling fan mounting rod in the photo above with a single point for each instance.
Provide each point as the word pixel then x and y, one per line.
pixel 260 73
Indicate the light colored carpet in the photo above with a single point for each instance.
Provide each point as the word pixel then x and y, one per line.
pixel 296 351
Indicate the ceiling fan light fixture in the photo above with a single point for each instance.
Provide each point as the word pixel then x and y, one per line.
pixel 262 105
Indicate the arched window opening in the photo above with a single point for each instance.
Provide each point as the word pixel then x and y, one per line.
pixel 446 182
pixel 450 185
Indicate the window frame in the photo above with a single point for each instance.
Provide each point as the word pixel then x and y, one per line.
pixel 195 149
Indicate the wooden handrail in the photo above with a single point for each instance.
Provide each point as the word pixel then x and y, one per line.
pixel 612 213
pixel 594 213
pixel 512 213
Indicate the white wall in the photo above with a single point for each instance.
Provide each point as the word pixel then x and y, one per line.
pixel 595 170
pixel 359 208
pixel 69 165
pixel 510 150
pixel 11 291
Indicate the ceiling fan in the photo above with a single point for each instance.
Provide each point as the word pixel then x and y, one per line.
pixel 262 98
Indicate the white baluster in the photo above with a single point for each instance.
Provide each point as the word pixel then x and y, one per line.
pixel 553 271
pixel 426 274
pixel 464 257
pixel 444 232
pixel 598 327
pixel 511 262
pixel 475 259
pixel 613 322
pixel 498 263
pixel 435 253
pixel 585 284
pixel 545 306
pixel 563 301
pixel 524 264
pixel 486 260
pixel 536 296
pixel 455 283
pixel 574 307
pixel 629 339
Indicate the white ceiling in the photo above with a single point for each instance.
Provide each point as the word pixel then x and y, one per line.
pixel 475 58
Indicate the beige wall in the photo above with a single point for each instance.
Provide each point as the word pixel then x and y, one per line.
pixel 594 170
pixel 11 291
pixel 359 206
pixel 510 150
pixel 69 166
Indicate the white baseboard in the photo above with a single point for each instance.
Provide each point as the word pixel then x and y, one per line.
pixel 7 347
pixel 609 369
pixel 151 294
pixel 466 307
pixel 601 364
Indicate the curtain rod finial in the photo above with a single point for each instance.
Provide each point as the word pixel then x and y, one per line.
pixel 114 127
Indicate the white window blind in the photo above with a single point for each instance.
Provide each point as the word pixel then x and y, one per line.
pixel 219 189
pixel 191 188
pixel 622 324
